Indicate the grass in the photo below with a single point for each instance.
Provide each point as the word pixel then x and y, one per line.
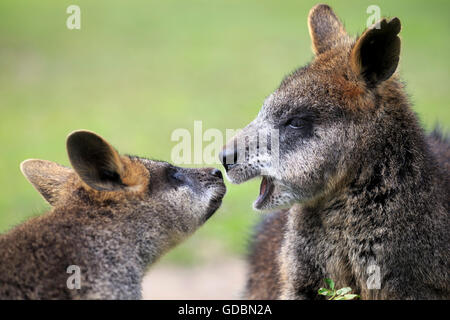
pixel 137 70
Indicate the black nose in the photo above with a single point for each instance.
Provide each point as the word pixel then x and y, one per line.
pixel 216 173
pixel 228 158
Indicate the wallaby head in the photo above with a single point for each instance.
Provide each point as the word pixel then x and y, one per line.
pixel 157 200
pixel 323 114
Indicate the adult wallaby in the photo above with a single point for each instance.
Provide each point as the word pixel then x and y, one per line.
pixel 112 216
pixel 367 191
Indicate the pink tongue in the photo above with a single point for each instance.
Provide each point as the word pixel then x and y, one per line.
pixel 263 186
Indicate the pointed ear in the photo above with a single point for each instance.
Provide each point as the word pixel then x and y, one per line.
pixel 96 162
pixel 47 177
pixel 376 53
pixel 325 28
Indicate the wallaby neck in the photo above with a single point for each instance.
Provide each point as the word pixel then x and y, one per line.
pixel 400 170
pixel 114 237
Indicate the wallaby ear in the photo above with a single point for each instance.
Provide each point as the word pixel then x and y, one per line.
pixel 325 28
pixel 47 177
pixel 376 53
pixel 96 162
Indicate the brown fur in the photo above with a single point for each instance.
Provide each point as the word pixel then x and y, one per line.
pixel 112 216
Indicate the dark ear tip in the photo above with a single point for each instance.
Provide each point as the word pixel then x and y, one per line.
pixel 80 134
pixel 395 24
pixel 80 137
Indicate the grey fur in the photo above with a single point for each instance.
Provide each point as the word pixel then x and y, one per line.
pixel 363 183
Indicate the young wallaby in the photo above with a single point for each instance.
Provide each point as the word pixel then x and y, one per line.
pixel 367 192
pixel 112 216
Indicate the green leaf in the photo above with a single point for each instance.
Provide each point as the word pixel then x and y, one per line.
pixel 343 291
pixel 330 283
pixel 325 292
pixel 339 298
pixel 350 296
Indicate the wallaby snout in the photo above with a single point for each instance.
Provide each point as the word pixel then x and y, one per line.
pixel 228 155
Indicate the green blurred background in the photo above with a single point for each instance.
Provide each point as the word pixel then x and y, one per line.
pixel 137 70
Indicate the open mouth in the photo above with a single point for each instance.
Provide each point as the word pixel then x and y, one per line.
pixel 265 190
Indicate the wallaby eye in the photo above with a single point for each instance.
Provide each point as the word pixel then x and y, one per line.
pixel 178 177
pixel 175 176
pixel 301 125
pixel 297 123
